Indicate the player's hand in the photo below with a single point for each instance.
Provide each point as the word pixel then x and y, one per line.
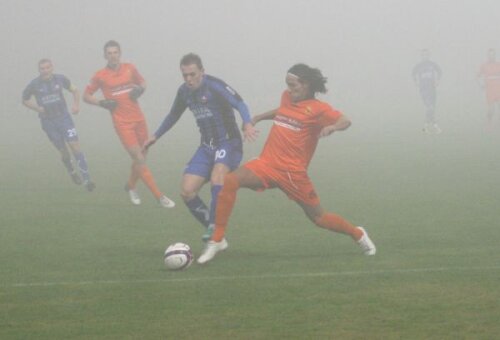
pixel 40 109
pixel 147 144
pixel 136 92
pixel 327 131
pixel 109 104
pixel 250 133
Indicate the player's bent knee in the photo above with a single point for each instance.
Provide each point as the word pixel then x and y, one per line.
pixel 188 195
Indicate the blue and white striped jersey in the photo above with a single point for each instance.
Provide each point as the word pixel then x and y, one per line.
pixel 49 94
pixel 212 105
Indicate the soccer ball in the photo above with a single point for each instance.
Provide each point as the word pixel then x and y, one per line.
pixel 178 256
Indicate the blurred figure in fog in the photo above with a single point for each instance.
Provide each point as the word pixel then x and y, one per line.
pixel 426 75
pixel 489 80
pixel 56 120
pixel 212 103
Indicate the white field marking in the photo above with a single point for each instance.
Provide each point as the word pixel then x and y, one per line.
pixel 249 277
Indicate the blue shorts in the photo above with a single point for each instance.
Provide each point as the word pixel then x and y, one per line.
pixel 229 153
pixel 59 130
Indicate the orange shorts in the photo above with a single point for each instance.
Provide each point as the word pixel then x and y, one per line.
pixel 132 133
pixel 296 185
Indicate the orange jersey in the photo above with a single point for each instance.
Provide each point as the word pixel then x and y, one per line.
pixel 490 71
pixel 294 136
pixel 116 85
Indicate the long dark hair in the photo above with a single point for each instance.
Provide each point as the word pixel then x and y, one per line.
pixel 312 76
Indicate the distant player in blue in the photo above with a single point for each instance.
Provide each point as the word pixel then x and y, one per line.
pixel 55 119
pixel 212 102
pixel 426 76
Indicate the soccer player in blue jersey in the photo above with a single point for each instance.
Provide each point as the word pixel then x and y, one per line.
pixel 212 102
pixel 426 76
pixel 55 119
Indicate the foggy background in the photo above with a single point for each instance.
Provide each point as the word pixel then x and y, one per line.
pixel 367 50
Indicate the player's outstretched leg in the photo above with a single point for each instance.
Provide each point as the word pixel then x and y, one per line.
pixel 338 224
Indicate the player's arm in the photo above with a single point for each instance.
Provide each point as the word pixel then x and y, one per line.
pixel 169 121
pixel 139 85
pixel 29 103
pixel 235 100
pixel 250 133
pixel 341 124
pixel 66 83
pixel 75 108
pixel 90 98
pixel 264 116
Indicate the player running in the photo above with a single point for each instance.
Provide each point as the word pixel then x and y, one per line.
pixel 56 120
pixel 489 79
pixel 121 85
pixel 212 102
pixel 299 122
pixel 426 76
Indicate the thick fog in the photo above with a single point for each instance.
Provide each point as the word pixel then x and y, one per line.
pixel 367 50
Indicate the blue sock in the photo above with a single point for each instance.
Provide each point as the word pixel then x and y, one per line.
pixel 213 203
pixel 82 166
pixel 199 210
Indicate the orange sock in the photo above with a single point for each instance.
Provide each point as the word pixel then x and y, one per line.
pixel 338 224
pixel 225 204
pixel 147 178
pixel 134 177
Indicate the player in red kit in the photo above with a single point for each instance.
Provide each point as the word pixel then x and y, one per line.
pixel 299 122
pixel 121 85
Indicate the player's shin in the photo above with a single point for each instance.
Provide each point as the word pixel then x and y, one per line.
pixel 148 179
pixel 216 188
pixel 225 203
pixel 199 210
pixel 338 224
pixel 134 177
pixel 66 159
pixel 82 166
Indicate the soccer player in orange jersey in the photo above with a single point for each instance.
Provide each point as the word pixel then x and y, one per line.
pixel 121 85
pixel 299 122
pixel 489 78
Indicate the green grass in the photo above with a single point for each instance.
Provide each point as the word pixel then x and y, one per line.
pixel 89 265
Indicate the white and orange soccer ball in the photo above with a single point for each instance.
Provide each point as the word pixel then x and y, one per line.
pixel 178 256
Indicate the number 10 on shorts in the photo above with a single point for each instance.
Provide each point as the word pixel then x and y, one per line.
pixel 220 154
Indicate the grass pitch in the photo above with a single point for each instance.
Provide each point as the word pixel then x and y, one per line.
pixel 78 265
